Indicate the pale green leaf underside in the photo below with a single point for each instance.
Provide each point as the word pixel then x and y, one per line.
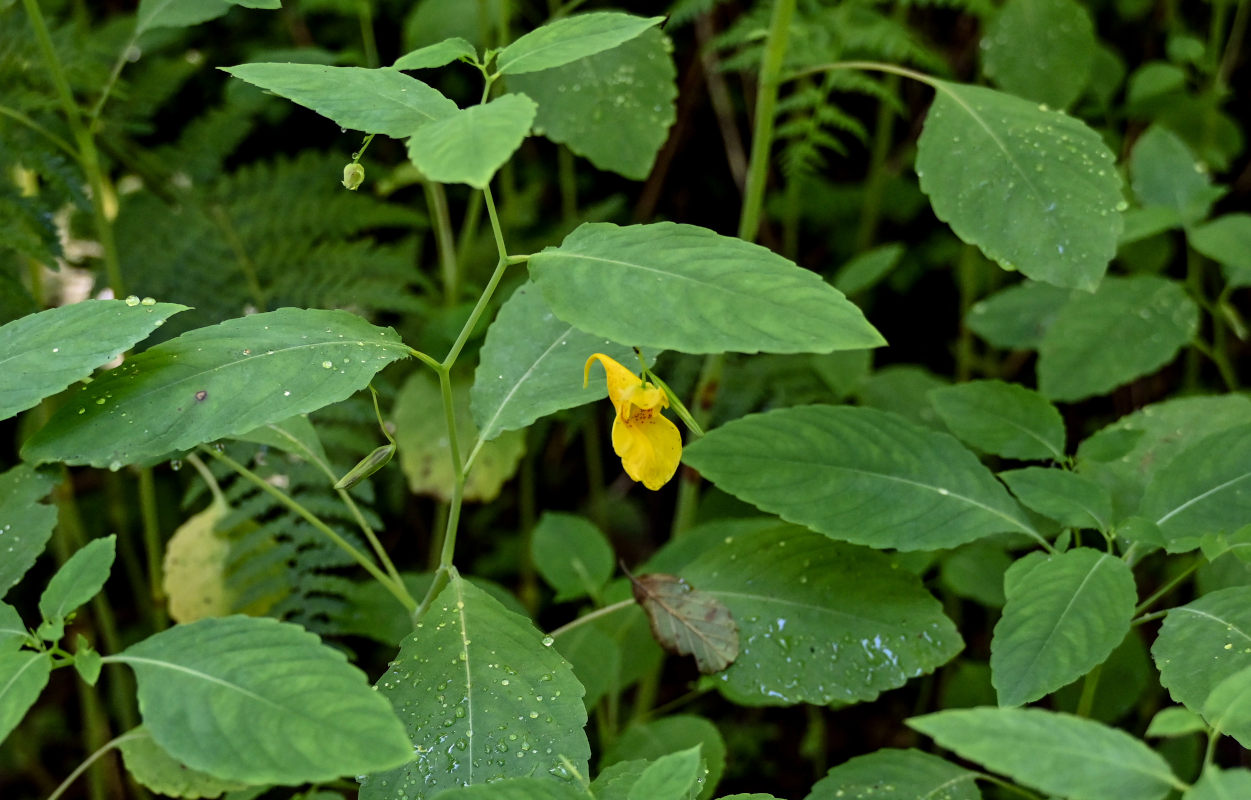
pixel 1221 784
pixel 382 100
pixel 685 288
pixel 897 775
pixel 613 108
pixel 436 55
pixel 859 475
pixel 43 353
pixel 1060 754
pixel 255 700
pixel 570 39
pixel 1036 190
pixel 1130 327
pixel 1040 49
pixel 25 523
pixel 469 145
pixel 1204 643
pixel 216 382
pixel 177 13
pixel 1205 489
pixel 531 365
pixel 1006 419
pixel 162 773
pixel 819 621
pixel 482 698
pixel 1064 614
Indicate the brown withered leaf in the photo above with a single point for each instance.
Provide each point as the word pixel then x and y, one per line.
pixel 687 621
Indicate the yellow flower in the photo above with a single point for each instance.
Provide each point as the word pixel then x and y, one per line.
pixel 649 445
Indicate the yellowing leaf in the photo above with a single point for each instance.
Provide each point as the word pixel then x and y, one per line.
pixel 195 567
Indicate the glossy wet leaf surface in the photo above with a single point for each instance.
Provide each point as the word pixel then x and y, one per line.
pixel 1041 50
pixel 687 621
pixel 25 523
pixel 569 39
pixel 1205 489
pixel 897 775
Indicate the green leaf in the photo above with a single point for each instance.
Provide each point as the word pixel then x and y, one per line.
pixel 254 700
pixel 1040 49
pixel 436 55
pixel 1036 190
pixel 868 268
pixel 613 108
pixel 897 775
pixel 975 571
pixel 571 554
pixel 78 580
pixel 194 568
pixel 266 4
pixel 421 433
pixel 860 475
pixel 1017 317
pixel 216 382
pixel 1175 721
pixel 295 435
pixel 1220 784
pixel 23 674
pixel 1005 419
pixel 659 737
pixel 820 621
pixel 469 145
pixel 165 775
pixel 177 13
pixel 87 662
pixel 1065 614
pixel 43 353
pixel 531 365
pixel 570 39
pixel 1165 173
pixel 1060 754
pixel 670 777
pixel 1228 707
pixel 12 630
pixel 1227 241
pixel 25 523
pixel 1202 644
pixel 513 789
pixel 680 287
pixel 1203 489
pixel 615 781
pixel 382 101
pixel 483 697
pixel 1073 500
pixel 688 621
pixel 1130 327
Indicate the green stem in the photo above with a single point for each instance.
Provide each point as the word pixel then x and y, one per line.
pixel 18 116
pixel 365 14
pixel 152 544
pixel 487 293
pixel 1089 686
pixel 876 177
pixel 766 107
pixel 294 505
pixel 436 201
pixel 458 475
pixel 91 759
pixel 568 185
pixel 590 617
pixel 1234 44
pixel 966 285
pixel 702 400
pixel 1168 587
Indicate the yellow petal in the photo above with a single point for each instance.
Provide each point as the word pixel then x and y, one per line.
pixel 621 381
pixel 650 446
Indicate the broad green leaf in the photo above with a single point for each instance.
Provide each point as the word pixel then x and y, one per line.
pixel 1228 707
pixel 670 777
pixel 897 775
pixel 177 13
pixel 87 662
pixel 254 700
pixel 1005 419
pixel 1175 721
pixel 1040 49
pixel 1055 753
pixel 295 435
pixel 1203 489
pixel 165 775
pixel 860 475
pixel 1130 327
pixel 1065 613
pixel 78 580
pixel 1073 500
pixel 25 523
pixel 1227 241
pixel 216 382
pixel 1143 223
pixel 1202 644
pixel 193 574
pixel 1126 455
pixel 43 353
pixel 570 39
pixel 868 268
pixel 611 653
pixel 688 621
pixel 613 108
pixel 531 365
pixel 525 788
pixel 820 621
pixel 1220 784
pixel 903 389
pixel 615 781
pixel 659 737
pixel 571 554
pixel 382 101
pixel 436 55
pixel 12 630
pixel 1165 173
pixel 680 287
pixel 268 4
pixel 375 613
pixel 975 571
pixel 1035 189
pixel 23 674
pixel 1124 677
pixel 483 697
pixel 421 432
pixel 1017 317
pixel 469 145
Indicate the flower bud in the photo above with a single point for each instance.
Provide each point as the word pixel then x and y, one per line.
pixel 353 176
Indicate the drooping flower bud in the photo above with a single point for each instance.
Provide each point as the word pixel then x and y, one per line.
pixel 353 176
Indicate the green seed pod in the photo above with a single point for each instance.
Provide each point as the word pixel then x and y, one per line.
pixel 353 176
pixel 367 466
